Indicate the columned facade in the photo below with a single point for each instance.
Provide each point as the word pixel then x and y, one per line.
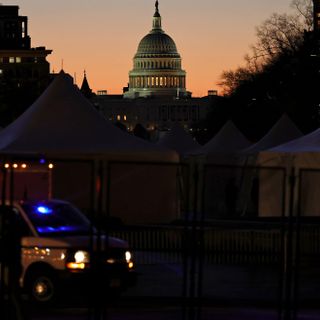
pixel 157 65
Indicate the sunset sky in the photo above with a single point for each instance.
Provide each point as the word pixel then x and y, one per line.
pixel 101 36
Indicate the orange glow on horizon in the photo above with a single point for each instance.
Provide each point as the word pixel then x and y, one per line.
pixel 102 37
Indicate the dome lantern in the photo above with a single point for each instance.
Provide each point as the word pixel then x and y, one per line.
pixel 156 25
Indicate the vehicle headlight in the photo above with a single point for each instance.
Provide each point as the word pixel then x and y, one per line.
pixel 81 256
pixel 128 259
pixel 128 256
pixel 78 260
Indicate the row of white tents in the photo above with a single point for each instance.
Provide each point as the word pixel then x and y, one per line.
pixel 286 162
pixel 230 140
pixel 63 125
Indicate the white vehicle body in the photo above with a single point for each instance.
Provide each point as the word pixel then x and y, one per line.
pixel 55 249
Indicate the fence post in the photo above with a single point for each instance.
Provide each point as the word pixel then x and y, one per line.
pixel 287 310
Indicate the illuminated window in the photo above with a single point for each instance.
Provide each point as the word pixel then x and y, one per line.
pixel 18 59
pixel 11 59
pixel 157 81
pixel 125 118
pixel 118 117
pixel 1 71
pixel 152 81
pixel 161 81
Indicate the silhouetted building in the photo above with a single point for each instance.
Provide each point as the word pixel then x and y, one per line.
pixel 85 88
pixel 154 113
pixel 24 71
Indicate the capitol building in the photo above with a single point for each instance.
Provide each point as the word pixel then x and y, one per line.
pixel 156 96
pixel 156 65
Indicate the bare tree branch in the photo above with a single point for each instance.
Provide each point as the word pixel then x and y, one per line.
pixel 281 34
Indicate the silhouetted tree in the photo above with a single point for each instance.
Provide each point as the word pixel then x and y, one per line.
pixel 281 75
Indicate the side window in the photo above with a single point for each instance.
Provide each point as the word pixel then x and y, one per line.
pixel 22 226
pixel 12 224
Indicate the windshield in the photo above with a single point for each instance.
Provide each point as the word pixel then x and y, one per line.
pixel 57 218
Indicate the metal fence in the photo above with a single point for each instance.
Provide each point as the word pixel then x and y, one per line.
pixel 243 244
pixel 204 233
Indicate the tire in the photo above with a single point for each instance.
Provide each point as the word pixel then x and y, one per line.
pixel 42 288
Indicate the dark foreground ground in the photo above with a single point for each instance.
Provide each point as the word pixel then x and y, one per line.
pixel 141 311
pixel 228 292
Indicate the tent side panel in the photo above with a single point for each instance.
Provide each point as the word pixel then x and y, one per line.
pixel 271 192
pixel 144 194
pixel 71 181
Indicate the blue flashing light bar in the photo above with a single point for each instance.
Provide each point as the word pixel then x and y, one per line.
pixel 47 229
pixel 43 210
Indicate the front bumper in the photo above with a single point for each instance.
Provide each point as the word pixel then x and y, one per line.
pixel 108 277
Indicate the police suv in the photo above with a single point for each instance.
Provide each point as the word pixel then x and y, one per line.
pixel 59 245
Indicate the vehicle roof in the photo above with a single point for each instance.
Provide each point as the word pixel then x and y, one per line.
pixel 52 201
pixel 32 202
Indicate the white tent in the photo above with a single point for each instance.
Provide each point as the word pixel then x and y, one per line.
pixel 62 121
pixel 178 139
pixel 300 160
pixel 228 140
pixel 216 172
pixel 62 124
pixel 283 131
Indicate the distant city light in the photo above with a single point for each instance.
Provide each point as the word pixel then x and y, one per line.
pixel 42 161
pixel 50 166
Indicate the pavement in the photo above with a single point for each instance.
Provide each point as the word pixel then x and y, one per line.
pixel 228 292
pixel 169 313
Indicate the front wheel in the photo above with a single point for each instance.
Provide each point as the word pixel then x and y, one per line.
pixel 42 288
